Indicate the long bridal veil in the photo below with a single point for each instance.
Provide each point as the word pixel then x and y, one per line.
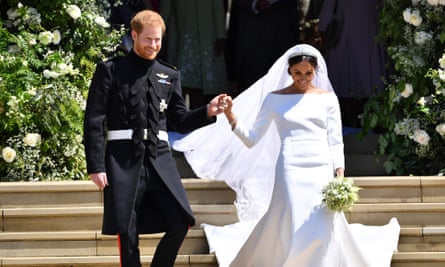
pixel 214 152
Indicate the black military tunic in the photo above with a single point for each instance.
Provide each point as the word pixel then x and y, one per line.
pixel 133 93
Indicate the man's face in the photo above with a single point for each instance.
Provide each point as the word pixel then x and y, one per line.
pixel 148 43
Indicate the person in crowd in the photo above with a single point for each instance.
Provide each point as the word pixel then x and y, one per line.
pixel 295 229
pixel 195 42
pixel 133 100
pixel 355 59
pixel 259 32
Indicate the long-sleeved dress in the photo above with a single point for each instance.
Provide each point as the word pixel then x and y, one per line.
pixel 295 229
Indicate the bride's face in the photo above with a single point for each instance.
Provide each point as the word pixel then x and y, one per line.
pixel 302 74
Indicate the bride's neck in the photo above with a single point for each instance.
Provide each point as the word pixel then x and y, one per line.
pixel 299 90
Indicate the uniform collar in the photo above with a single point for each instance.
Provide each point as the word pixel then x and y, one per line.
pixel 139 61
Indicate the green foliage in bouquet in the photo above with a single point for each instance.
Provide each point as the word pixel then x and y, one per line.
pixel 48 52
pixel 340 194
pixel 410 112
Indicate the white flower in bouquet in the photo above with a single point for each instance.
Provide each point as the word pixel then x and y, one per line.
pixel 340 194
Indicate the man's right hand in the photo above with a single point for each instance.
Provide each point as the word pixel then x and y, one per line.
pixel 100 179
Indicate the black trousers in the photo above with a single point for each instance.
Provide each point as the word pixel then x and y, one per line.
pixel 153 190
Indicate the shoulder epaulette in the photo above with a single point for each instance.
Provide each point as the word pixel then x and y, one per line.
pixel 114 58
pixel 167 64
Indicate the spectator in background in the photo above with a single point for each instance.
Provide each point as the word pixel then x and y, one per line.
pixel 356 63
pixel 260 31
pixel 195 42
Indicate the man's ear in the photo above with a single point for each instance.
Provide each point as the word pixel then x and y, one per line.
pixel 134 34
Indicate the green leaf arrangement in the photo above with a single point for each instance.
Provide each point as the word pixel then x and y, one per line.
pixel 340 194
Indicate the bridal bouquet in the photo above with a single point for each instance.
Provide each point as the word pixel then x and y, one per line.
pixel 340 194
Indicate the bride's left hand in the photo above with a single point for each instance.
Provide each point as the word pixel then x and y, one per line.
pixel 340 172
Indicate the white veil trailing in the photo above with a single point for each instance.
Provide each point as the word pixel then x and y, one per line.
pixel 214 152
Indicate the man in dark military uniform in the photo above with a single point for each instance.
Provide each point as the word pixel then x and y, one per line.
pixel 132 102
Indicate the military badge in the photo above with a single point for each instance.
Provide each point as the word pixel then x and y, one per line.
pixel 162 105
pixel 163 78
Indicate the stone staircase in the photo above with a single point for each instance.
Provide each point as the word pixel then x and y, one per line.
pixel 57 223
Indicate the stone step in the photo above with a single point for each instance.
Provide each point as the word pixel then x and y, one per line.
pixel 400 259
pixel 422 239
pixel 401 189
pixel 408 214
pixel 90 218
pixel 93 243
pixel 56 223
pixel 16 219
pixel 86 243
pixel 418 259
pixel 383 189
pixel 204 260
pixel 85 193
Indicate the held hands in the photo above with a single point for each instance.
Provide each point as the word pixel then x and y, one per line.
pixel 216 106
pixel 219 104
pixel 222 103
pixel 100 179
pixel 227 103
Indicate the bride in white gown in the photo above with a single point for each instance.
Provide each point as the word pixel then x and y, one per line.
pixel 278 181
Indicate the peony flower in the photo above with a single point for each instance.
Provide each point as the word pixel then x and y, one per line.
pixel 421 137
pixel 407 91
pixel 102 22
pixel 32 139
pixel 8 154
pixel 441 129
pixel 57 37
pixel 412 17
pixel 45 37
pixel 421 101
pixel 73 11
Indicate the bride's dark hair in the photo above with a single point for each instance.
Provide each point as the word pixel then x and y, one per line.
pixel 297 58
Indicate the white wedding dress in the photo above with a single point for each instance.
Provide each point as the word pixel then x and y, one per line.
pixel 297 146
